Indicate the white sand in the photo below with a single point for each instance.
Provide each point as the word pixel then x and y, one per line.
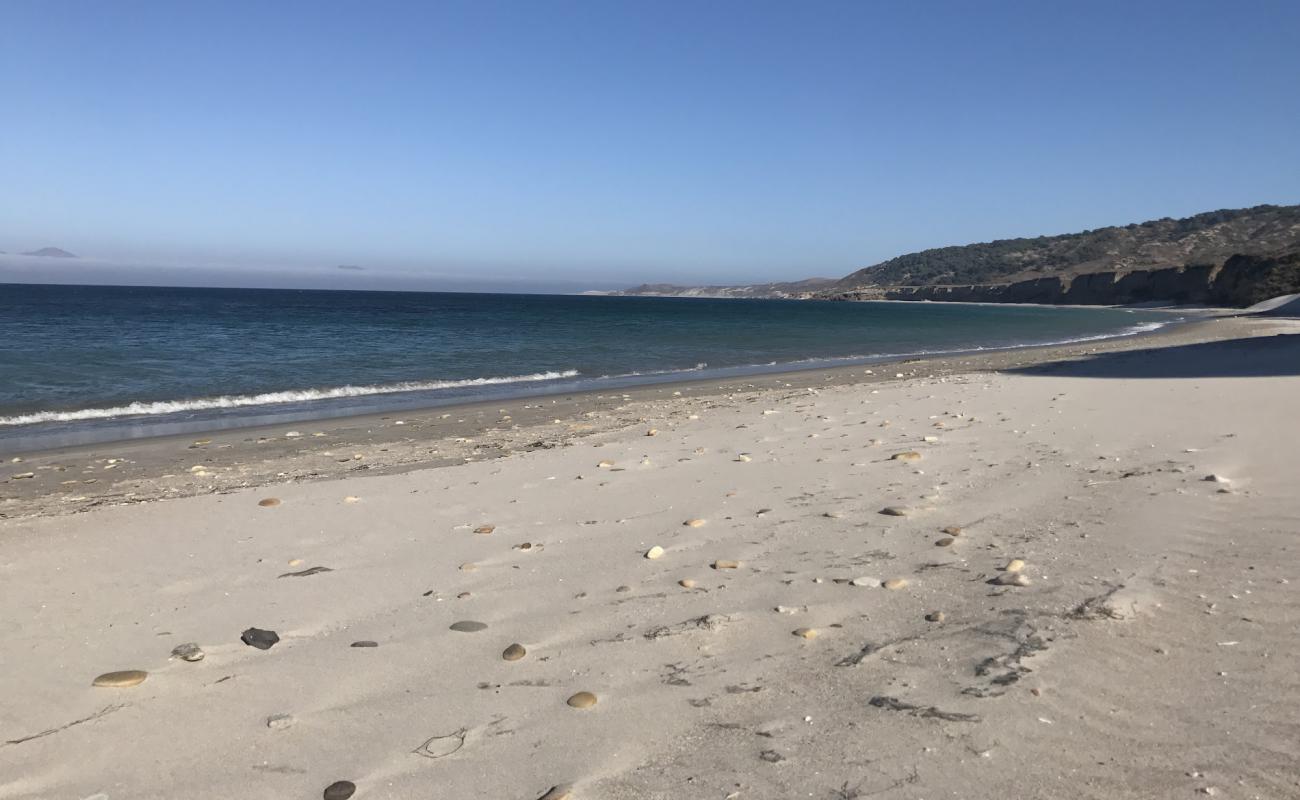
pixel 1178 677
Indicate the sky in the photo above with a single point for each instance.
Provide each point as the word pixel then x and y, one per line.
pixel 557 146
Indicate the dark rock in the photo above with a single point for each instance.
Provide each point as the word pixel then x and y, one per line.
pixel 256 637
pixel 340 790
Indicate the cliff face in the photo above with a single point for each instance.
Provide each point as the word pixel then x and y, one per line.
pixel 1242 280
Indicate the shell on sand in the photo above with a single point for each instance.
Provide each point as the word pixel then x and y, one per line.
pixel 514 652
pixel 953 530
pixel 1015 565
pixel 561 792
pixel 687 583
pixel 485 529
pixel 895 583
pixel 694 523
pixel 894 511
pixel 654 552
pixel 906 455
pixel 269 502
pixel 121 679
pixel 806 633
pixel 582 700
pixel 726 565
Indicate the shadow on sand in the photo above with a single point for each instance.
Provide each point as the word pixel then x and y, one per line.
pixel 1254 357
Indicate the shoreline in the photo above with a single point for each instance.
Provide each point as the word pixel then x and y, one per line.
pixel 106 422
pixel 77 478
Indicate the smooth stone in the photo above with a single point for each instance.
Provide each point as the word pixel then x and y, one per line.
pixel 365 643
pixel 468 626
pixel 935 616
pixel 946 541
pixel 1015 565
pixel 122 679
pixel 953 530
pixel 339 790
pixel 654 552
pixel 694 523
pixel 514 652
pixel 864 582
pixel 895 583
pixel 806 633
pixel 268 502
pixel 623 589
pixel 894 511
pixel 605 464
pixel 687 583
pixel 485 529
pixel 278 722
pixel 188 652
pixel 1212 478
pixel 582 700
pixel 352 499
pixel 256 637
pixel 1011 579
pixel 468 567
pixel 742 458
pixel 908 455
pixel 652 432
pixel 561 792
pixel 726 565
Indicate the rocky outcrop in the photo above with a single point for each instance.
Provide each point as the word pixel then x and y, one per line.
pixel 1241 281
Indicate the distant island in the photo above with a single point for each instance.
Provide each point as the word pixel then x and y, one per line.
pixel 1226 257
pixel 50 252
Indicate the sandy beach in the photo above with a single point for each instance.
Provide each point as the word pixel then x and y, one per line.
pixel 1048 573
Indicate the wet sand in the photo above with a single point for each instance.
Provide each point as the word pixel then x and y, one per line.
pixel 984 577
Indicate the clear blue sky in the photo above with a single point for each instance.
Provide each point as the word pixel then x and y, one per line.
pixel 614 142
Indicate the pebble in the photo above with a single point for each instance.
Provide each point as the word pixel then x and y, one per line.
pixel 1015 565
pixel 744 459
pixel 268 502
pixel 806 633
pixel 278 722
pixel 1212 478
pixel 953 530
pixel 726 565
pixel 694 523
pixel 864 582
pixel 339 790
pixel 1011 579
pixel 687 583
pixel 907 455
pixel 352 499
pixel 122 679
pixel 894 511
pixel 654 552
pixel 582 700
pixel 256 637
pixel 895 583
pixel 935 616
pixel 468 626
pixel 605 464
pixel 468 567
pixel 561 792
pixel 652 432
pixel 365 643
pixel 188 652
pixel 946 541
pixel 514 652
pixel 23 476
pixel 485 529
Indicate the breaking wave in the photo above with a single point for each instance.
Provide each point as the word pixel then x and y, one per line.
pixel 271 398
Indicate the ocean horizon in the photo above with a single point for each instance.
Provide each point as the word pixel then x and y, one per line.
pixel 97 363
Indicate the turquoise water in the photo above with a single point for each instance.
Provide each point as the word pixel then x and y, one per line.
pixel 113 361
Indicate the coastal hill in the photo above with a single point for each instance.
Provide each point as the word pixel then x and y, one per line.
pixel 50 252
pixel 1227 257
pixel 1209 238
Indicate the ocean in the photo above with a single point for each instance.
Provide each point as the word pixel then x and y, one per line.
pixel 98 363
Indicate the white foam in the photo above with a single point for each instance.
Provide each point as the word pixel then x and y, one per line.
pixel 270 398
